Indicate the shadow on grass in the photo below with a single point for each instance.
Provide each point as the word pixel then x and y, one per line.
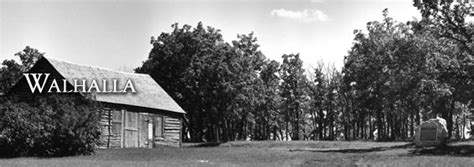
pixel 6 153
pixel 456 150
pixel 38 156
pixel 208 144
pixel 361 150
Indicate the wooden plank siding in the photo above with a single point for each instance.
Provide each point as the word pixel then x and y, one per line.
pixel 111 129
pixel 172 130
pixel 124 128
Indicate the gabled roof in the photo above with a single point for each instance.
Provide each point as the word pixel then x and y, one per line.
pixel 148 93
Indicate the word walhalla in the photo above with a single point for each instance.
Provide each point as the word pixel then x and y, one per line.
pixel 79 85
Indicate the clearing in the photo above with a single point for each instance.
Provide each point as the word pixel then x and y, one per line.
pixel 270 153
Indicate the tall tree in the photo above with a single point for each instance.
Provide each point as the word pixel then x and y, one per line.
pixel 446 21
pixel 217 83
pixel 317 92
pixel 293 94
pixel 11 71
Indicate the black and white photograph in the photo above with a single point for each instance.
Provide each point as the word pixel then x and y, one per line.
pixel 236 83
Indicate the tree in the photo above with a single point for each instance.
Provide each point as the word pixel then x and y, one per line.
pixel 399 71
pixel 385 68
pixel 293 94
pixel 268 116
pixel 177 62
pixel 317 92
pixel 449 21
pixel 9 74
pixel 12 71
pixel 217 83
pixel 446 22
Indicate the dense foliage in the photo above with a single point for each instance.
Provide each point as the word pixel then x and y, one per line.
pixel 394 76
pixel 399 72
pixel 54 125
pixel 11 71
pixel 216 82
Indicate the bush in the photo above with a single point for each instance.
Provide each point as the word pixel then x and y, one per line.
pixel 55 125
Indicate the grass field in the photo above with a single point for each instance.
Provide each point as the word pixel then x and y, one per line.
pixel 270 153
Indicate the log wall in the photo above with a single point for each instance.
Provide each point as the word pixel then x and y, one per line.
pixel 135 126
pixel 171 132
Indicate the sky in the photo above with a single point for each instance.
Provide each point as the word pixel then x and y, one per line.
pixel 115 34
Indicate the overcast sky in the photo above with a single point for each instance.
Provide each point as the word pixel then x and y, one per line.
pixel 116 33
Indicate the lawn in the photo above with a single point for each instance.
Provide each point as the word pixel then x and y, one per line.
pixel 270 153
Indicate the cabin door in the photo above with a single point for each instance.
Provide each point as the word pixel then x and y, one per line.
pixel 131 129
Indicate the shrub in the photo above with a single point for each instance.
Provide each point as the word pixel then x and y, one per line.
pixel 54 125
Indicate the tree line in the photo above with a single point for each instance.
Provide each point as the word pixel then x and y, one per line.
pixel 395 75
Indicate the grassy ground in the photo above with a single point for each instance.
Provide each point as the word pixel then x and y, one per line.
pixel 270 153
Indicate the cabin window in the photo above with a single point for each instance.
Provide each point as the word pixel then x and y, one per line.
pixel 159 126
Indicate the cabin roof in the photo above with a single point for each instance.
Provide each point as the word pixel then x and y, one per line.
pixel 148 93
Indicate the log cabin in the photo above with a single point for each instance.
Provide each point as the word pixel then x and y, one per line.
pixel 145 118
